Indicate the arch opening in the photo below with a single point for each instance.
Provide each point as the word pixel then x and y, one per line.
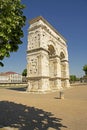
pixel 52 66
pixel 62 56
pixel 51 50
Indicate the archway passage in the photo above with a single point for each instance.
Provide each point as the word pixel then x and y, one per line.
pixel 62 56
pixel 51 60
pixel 52 67
pixel 51 50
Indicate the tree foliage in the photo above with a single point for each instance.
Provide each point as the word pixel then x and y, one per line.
pixel 24 73
pixel 73 78
pixel 11 22
pixel 85 69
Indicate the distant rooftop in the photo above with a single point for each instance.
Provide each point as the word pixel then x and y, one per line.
pixel 8 73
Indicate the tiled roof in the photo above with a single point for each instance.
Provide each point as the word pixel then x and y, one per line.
pixel 7 73
pixel 10 72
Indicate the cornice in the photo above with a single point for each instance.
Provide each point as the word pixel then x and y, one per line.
pixel 37 49
pixel 48 24
pixel 64 61
pixel 42 49
pixel 40 77
pixel 55 78
pixel 37 78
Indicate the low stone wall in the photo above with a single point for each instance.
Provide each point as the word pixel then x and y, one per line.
pixel 13 85
pixel 78 84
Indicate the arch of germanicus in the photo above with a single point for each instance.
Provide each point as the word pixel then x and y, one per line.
pixel 47 57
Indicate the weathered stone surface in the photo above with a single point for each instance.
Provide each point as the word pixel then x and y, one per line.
pixel 47 57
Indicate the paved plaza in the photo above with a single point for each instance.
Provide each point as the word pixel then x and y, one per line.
pixel 20 110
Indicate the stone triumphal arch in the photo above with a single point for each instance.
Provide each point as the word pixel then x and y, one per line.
pixel 47 57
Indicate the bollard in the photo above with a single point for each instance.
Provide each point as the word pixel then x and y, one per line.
pixel 61 95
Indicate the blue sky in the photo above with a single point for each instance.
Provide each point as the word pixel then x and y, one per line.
pixel 69 18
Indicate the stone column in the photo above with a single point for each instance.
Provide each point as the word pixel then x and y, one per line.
pixel 67 84
pixel 39 64
pixel 57 72
pixel 43 71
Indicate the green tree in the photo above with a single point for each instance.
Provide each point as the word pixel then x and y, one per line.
pixel 11 22
pixel 73 78
pixel 24 73
pixel 85 69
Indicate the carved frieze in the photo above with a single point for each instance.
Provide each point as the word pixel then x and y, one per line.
pixel 33 40
pixel 33 66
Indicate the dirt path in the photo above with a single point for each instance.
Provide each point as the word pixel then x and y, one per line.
pixel 23 111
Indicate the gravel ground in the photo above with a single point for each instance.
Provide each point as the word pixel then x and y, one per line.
pixel 20 110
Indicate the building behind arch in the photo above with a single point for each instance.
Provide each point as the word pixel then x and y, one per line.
pixel 47 57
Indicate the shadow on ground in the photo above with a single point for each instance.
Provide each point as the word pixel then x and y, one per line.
pixel 18 88
pixel 27 118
